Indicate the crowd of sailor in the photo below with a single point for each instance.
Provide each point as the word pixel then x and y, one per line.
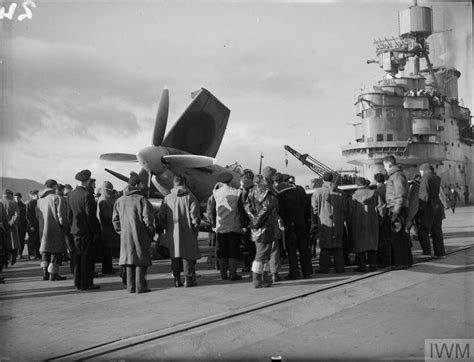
pixel 267 221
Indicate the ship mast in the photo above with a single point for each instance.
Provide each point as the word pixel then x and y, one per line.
pixel 415 26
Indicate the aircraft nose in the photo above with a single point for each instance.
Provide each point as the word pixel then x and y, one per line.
pixel 150 159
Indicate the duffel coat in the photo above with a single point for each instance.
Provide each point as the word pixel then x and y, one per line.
pixel 134 219
pixel 330 206
pixel 365 212
pixel 105 210
pixel 180 216
pixel 51 211
pixel 12 238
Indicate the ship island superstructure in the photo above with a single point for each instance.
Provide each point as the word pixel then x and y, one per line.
pixel 417 117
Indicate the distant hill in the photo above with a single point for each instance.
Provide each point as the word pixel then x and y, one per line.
pixel 24 186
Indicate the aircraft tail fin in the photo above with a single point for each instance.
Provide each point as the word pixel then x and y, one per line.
pixel 201 127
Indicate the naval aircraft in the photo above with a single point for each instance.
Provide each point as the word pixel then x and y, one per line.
pixel 188 149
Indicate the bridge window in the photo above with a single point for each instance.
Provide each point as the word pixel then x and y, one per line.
pixel 379 137
pixel 389 137
pixel 378 113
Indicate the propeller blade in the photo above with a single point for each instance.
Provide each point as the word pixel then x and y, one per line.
pixel 118 175
pixel 161 119
pixel 192 161
pixel 119 157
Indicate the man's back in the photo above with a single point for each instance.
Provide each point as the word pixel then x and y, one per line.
pixel 178 206
pixel 135 213
pixel 227 209
pixel 82 210
pixel 329 204
pixel 261 196
pixel 21 214
pixel 429 188
pixel 31 218
pixel 397 190
pixel 51 209
pixel 290 201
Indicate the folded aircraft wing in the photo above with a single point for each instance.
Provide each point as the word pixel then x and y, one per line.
pixel 201 127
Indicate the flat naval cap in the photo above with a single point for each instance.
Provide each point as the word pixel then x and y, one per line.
pixel 83 175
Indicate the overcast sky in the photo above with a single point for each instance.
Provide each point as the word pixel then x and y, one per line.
pixel 80 79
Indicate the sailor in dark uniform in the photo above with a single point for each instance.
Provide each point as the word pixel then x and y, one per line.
pixel 85 229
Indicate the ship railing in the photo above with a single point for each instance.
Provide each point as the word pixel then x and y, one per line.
pixel 394 147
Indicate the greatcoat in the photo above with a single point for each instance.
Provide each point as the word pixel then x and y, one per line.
pixel 365 212
pixel 51 210
pixel 82 211
pixel 134 219
pixel 330 206
pixel 179 216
